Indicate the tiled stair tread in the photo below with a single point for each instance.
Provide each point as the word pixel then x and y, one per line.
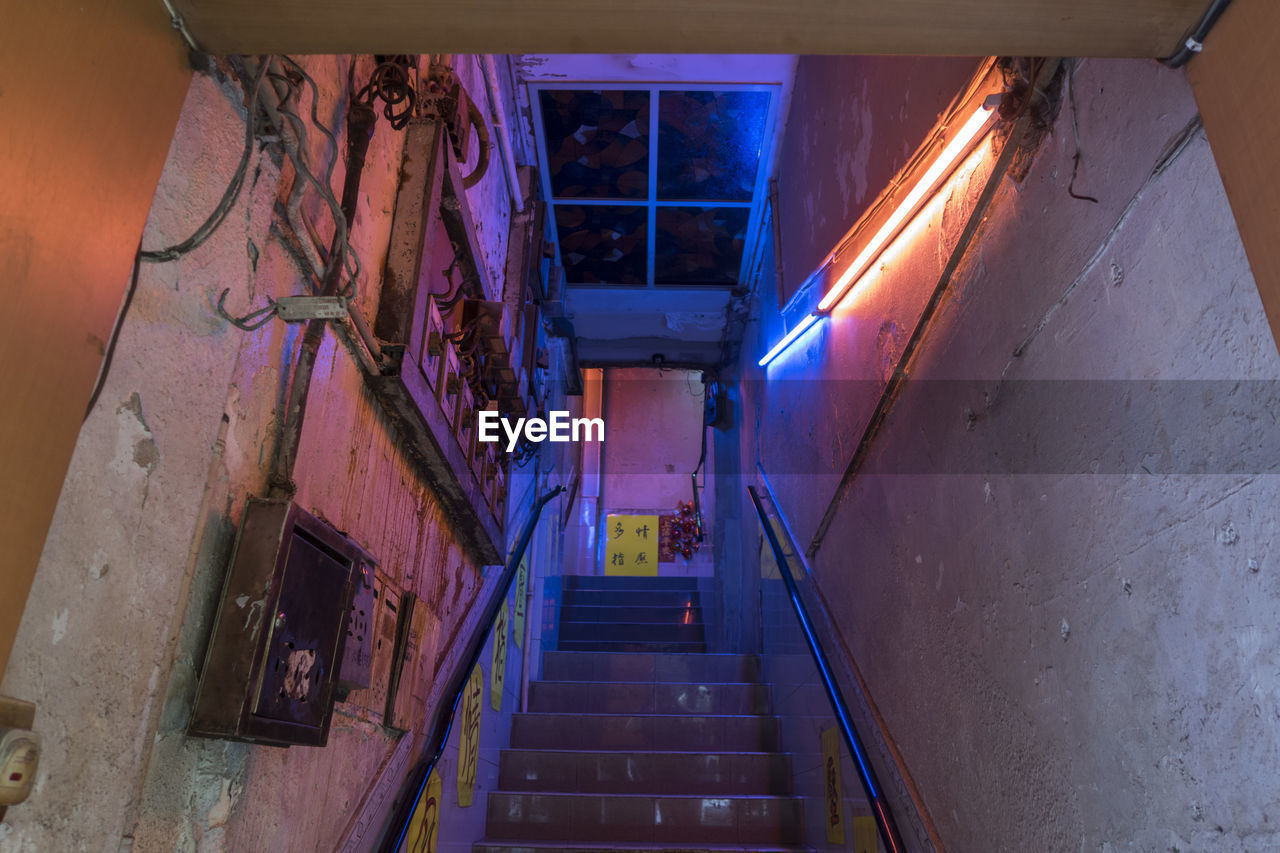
pixel 648 666
pixel 638 771
pixel 664 717
pixel 702 656
pixel 632 796
pixel 644 817
pixel 650 631
pixel 642 647
pixel 637 598
pixel 722 752
pixel 500 846
pixel 630 732
pixel 664 626
pixel 649 697
pixel 598 614
pixel 610 610
pixel 616 582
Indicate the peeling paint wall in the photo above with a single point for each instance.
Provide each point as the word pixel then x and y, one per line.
pixel 120 613
pixel 1055 569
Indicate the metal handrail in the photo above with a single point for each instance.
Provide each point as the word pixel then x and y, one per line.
pixel 442 724
pixel 866 774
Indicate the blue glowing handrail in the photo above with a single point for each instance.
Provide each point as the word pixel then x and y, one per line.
pixel 443 725
pixel 866 774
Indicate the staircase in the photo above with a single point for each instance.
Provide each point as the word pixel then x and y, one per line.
pixel 638 739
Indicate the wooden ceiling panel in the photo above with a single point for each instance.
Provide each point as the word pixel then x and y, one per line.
pixel 924 27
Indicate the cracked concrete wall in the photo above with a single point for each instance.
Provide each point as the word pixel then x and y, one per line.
pixel 1071 641
pixel 120 612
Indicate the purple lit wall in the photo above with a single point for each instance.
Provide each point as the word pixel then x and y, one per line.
pixel 854 122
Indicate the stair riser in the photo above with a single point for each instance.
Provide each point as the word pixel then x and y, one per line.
pixel 614 847
pixel 628 646
pixel 630 598
pixel 661 615
pixel 616 583
pixel 598 732
pixel 718 820
pixel 648 698
pixel 632 632
pixel 600 666
pixel 709 774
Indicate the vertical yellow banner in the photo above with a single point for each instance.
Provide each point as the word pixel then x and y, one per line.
pixel 498 666
pixel 632 545
pixel 866 837
pixel 424 826
pixel 522 593
pixel 469 746
pixel 768 562
pixel 834 805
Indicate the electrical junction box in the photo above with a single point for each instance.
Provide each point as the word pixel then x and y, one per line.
pixel 19 760
pixel 357 650
pixel 386 619
pixel 271 669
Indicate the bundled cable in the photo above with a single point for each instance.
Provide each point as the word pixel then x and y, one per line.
pixel 228 200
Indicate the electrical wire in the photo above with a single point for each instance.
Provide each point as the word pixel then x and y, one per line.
pixel 229 196
pixel 1075 127
pixel 392 84
pixel 110 352
pixel 1194 42
pixel 346 255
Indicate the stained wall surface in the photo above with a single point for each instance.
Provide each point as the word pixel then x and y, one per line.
pixel 114 632
pixel 1055 569
pixel 653 441
pixel 75 186
pixel 854 122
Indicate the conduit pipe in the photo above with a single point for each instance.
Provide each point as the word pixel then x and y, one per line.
pixel 490 72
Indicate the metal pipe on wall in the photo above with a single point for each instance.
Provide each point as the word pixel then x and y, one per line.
pixel 490 73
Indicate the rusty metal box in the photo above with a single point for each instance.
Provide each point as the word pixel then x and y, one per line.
pixel 357 650
pixel 271 668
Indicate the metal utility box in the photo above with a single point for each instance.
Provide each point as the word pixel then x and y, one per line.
pixel 357 650
pixel 271 668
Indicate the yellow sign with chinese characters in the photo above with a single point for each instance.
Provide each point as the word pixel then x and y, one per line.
pixel 632 545
pixel 835 796
pixel 469 746
pixel 522 594
pixel 498 666
pixel 424 826
pixel 866 837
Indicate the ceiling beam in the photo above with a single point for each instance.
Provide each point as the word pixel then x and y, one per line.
pixel 1151 28
pixel 1237 89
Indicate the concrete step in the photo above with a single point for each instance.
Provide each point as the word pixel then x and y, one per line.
pixel 678 615
pixel 618 582
pixel 615 666
pixel 490 846
pixel 709 773
pixel 639 818
pixel 634 732
pixel 634 646
pixel 631 598
pixel 648 697
pixel 629 632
